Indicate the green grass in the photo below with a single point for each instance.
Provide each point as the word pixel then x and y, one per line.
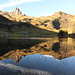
pixel 32 32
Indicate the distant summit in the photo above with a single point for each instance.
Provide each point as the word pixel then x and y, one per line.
pixel 16 12
pixel 59 13
pixel 63 15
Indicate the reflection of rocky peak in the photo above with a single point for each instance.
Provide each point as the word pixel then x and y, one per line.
pixel 16 58
pixel 16 12
pixel 59 49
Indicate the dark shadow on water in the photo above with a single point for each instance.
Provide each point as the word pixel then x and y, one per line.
pixel 62 39
pixel 7 45
pixel 56 47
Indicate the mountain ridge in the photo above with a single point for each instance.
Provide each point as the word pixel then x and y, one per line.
pixel 58 21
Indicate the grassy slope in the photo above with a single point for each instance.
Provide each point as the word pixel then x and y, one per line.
pixel 14 31
pixel 32 32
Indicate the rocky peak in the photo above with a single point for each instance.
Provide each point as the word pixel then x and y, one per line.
pixel 60 13
pixel 16 12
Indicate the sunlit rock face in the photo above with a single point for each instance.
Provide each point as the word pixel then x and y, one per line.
pixel 16 12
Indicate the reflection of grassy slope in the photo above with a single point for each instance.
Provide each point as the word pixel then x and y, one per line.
pixel 9 45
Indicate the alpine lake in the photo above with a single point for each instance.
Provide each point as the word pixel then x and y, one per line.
pixel 37 56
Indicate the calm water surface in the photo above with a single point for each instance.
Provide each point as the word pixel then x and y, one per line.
pixel 53 56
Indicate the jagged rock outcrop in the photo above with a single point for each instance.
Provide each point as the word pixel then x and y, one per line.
pixel 16 12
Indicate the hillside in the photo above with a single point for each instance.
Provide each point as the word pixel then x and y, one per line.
pixel 3 19
pixel 56 22
pixel 12 28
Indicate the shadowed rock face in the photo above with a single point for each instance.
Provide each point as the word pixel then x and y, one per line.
pixel 58 48
pixel 56 24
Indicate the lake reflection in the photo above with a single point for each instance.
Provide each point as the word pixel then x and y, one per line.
pixel 53 56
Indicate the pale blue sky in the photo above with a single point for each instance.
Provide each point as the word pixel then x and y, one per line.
pixel 39 8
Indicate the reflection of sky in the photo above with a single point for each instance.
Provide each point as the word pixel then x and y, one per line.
pixel 10 69
pixel 44 64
